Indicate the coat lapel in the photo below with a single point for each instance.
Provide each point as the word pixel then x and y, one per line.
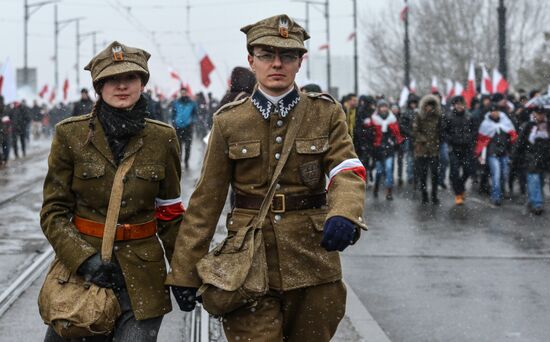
pixel 100 142
pixel 135 144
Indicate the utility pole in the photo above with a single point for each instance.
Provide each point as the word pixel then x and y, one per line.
pixel 83 36
pixel 28 11
pixel 58 26
pixel 407 49
pixel 325 11
pixel 308 63
pixel 502 63
pixel 355 54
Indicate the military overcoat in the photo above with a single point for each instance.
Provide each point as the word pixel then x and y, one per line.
pixel 245 146
pixel 79 182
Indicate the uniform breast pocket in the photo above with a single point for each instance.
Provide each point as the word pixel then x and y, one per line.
pixel 309 160
pixel 148 179
pixel 247 159
pixel 89 180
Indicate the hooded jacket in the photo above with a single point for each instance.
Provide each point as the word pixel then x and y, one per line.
pixel 427 128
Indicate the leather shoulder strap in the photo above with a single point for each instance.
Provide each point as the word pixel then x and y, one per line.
pixel 114 209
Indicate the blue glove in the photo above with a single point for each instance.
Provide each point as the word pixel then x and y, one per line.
pixel 338 233
pixel 186 297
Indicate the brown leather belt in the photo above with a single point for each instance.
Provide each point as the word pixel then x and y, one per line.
pixel 282 202
pixel 123 231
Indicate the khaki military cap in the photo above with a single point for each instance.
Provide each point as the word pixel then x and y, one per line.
pixel 118 59
pixel 279 31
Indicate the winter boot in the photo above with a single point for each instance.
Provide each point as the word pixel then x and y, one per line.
pixel 459 199
pixel 389 196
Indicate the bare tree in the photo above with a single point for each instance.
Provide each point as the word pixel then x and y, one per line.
pixel 446 35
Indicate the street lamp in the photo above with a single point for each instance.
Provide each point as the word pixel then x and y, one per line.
pixel 30 9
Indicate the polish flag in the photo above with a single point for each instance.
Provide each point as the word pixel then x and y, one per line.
pixel 404 12
pixel 323 47
pixel 206 68
pixel 459 89
pixel 412 86
pixel 434 85
pixel 450 89
pixel 404 96
pixel 486 83
pixel 52 96
pixel 500 85
pixel 175 75
pixel 43 91
pixel 470 92
pixel 351 36
pixel 65 89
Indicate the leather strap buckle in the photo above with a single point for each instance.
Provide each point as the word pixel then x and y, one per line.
pixel 278 205
pixel 126 229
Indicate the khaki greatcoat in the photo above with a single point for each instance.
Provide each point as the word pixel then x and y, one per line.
pixel 242 153
pixel 79 182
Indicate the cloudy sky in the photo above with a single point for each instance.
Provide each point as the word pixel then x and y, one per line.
pixel 161 27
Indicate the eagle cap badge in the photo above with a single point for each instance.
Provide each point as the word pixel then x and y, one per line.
pixel 118 54
pixel 283 27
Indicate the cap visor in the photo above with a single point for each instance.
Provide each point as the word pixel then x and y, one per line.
pixel 120 68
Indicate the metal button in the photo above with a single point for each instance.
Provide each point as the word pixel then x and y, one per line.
pixel 280 123
pixel 244 150
pixel 278 186
pixel 279 140
pixel 277 156
pixel 123 204
pixel 278 218
pixel 313 147
pixel 85 174
pixel 155 177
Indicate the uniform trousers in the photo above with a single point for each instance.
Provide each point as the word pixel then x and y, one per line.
pixel 127 328
pixel 309 314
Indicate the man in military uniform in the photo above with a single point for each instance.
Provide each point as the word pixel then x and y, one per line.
pixel 308 223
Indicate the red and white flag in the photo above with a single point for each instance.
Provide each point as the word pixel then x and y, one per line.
pixel 404 12
pixel 500 85
pixel 412 86
pixel 486 82
pixel 323 47
pixel 435 88
pixel 351 36
pixel 175 75
pixel 52 96
pixel 206 68
pixel 470 92
pixel 43 91
pixel 65 89
pixel 450 89
pixel 459 89
pixel 404 96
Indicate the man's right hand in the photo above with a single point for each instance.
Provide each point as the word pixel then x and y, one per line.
pixel 186 297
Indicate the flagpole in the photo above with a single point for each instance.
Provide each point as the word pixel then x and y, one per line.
pixel 407 53
pixel 355 55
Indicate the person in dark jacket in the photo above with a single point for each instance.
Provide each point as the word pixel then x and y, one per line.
pixel 184 116
pixel 426 133
pixel 460 132
pixel 4 137
pixel 84 105
pixel 383 127
pixel 20 118
pixel 242 85
pixel 153 106
pixel 534 145
pixel 365 108
pixel 405 126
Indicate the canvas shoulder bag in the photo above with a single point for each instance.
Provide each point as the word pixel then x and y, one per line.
pixel 72 306
pixel 234 273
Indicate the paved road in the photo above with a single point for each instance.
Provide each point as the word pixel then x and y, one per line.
pixel 446 273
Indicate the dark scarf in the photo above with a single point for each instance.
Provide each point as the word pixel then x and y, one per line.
pixel 120 124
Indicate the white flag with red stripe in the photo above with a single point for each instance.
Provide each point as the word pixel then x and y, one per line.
pixel 450 89
pixel 500 85
pixel 486 82
pixel 404 96
pixel 470 92
pixel 459 89
pixel 65 89
pixel 435 88
pixel 412 86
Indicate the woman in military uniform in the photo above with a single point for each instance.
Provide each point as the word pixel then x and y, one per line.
pixel 85 153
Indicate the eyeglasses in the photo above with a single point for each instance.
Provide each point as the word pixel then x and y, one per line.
pixel 269 57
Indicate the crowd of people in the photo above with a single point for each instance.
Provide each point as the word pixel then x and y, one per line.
pixel 499 142
pixel 21 122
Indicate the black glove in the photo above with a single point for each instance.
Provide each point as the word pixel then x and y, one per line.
pixel 103 274
pixel 338 233
pixel 186 297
